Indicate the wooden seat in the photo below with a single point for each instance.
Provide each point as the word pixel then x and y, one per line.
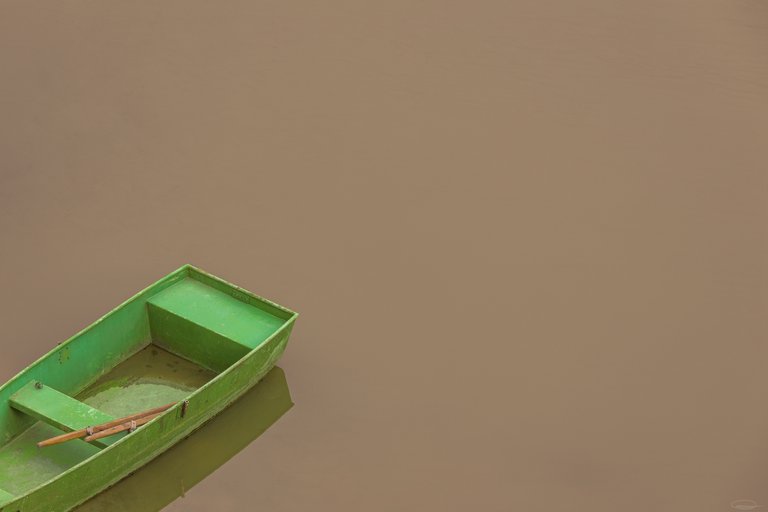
pixel 59 410
pixel 218 312
pixel 223 327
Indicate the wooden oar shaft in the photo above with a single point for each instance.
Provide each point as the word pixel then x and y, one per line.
pixel 120 428
pixel 77 434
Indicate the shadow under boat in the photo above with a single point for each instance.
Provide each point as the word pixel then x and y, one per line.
pixel 174 472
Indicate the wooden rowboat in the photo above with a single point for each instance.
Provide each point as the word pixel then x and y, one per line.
pixel 190 342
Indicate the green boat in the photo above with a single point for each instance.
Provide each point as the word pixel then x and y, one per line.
pixel 184 348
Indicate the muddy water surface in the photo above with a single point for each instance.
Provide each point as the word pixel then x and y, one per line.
pixel 527 239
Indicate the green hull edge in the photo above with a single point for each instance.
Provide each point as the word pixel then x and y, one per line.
pixel 115 337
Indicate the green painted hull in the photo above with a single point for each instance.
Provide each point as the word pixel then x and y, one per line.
pixel 190 336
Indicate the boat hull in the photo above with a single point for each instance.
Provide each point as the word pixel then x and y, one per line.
pixel 81 482
pixel 130 453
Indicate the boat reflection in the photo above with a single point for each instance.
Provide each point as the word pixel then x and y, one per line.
pixel 191 460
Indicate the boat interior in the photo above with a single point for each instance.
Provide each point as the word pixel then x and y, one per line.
pixel 157 348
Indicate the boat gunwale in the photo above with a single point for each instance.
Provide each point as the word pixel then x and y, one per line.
pixel 185 270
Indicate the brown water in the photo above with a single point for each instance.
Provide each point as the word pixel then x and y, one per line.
pixel 527 239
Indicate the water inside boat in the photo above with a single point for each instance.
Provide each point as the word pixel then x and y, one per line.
pixel 150 378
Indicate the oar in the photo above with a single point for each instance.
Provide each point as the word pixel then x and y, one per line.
pixel 131 425
pixel 89 431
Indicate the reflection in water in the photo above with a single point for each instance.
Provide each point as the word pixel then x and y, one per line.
pixel 187 463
